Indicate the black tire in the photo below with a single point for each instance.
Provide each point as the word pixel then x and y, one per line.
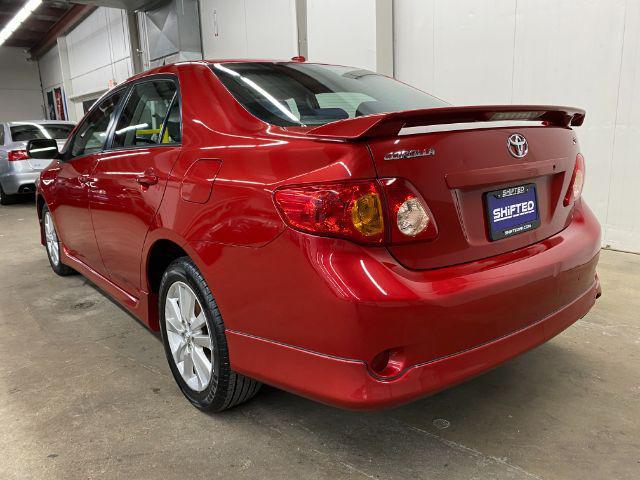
pixel 7 199
pixel 226 388
pixel 56 265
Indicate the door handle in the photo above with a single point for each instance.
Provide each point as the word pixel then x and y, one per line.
pixel 147 179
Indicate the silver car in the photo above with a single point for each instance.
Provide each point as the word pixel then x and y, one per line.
pixel 18 173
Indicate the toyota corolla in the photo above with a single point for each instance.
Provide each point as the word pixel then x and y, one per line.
pixel 323 229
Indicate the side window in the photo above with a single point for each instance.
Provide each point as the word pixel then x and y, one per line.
pixel 173 125
pixel 1 134
pixel 92 133
pixel 143 118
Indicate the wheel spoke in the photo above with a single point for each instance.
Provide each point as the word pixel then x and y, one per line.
pixel 202 364
pixel 175 343
pixel 187 365
pixel 187 303
pixel 172 315
pixel 198 322
pixel 202 340
pixel 181 350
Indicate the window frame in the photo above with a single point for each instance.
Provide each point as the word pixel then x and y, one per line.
pixel 65 155
pixel 152 78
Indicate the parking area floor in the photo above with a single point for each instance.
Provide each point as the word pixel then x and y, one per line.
pixel 85 392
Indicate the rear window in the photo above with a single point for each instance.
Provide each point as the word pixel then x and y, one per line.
pixel 301 94
pixel 32 131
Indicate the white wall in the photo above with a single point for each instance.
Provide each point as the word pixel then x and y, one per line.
pixel 582 53
pixel 622 221
pixel 249 29
pixel 20 91
pixel 342 32
pixel 50 69
pixel 98 52
pixel 351 32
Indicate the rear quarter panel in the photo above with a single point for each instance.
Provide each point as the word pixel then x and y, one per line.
pixel 246 166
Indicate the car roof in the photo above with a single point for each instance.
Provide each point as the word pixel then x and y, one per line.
pixel 207 62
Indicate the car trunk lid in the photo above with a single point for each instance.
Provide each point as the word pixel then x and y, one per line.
pixel 455 169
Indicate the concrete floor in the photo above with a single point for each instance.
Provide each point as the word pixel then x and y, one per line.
pixel 85 392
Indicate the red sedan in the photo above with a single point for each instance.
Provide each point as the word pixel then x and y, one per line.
pixel 323 229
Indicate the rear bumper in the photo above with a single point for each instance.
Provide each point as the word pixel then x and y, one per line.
pixel 332 309
pixel 19 182
pixel 349 384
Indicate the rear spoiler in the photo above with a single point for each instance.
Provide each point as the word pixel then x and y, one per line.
pixel 390 124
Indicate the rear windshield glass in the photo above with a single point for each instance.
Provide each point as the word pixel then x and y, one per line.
pixel 32 131
pixel 300 94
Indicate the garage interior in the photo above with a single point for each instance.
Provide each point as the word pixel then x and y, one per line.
pixel 85 391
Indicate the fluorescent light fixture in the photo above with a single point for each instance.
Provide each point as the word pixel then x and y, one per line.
pixel 17 20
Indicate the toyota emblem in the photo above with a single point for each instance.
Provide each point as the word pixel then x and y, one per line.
pixel 517 145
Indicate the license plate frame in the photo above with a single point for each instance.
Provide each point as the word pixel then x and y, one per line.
pixel 518 217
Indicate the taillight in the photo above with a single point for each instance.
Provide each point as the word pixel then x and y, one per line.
pixel 388 210
pixel 577 182
pixel 350 210
pixel 15 155
pixel 409 216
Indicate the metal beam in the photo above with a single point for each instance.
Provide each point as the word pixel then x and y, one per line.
pixel 12 42
pixel 129 5
pixel 32 25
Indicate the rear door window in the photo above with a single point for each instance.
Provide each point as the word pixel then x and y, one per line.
pixel 144 116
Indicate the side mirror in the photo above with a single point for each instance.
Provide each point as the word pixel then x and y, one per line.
pixel 42 148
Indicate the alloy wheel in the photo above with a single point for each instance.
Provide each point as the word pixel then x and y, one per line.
pixel 51 238
pixel 188 336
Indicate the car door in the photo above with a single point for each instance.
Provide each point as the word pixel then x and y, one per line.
pixel 131 175
pixel 69 202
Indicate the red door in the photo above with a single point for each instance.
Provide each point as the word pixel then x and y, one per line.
pixel 130 178
pixel 128 188
pixel 74 181
pixel 71 211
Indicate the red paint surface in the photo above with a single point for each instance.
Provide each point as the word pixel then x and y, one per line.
pixel 310 313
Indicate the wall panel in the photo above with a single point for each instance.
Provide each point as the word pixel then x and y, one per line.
pixel 249 29
pixel 572 52
pixel 342 32
pixel 20 91
pixel 98 51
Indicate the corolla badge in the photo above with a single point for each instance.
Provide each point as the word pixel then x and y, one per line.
pixel 517 145
pixel 402 154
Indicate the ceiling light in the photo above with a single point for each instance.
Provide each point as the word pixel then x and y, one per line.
pixel 17 20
